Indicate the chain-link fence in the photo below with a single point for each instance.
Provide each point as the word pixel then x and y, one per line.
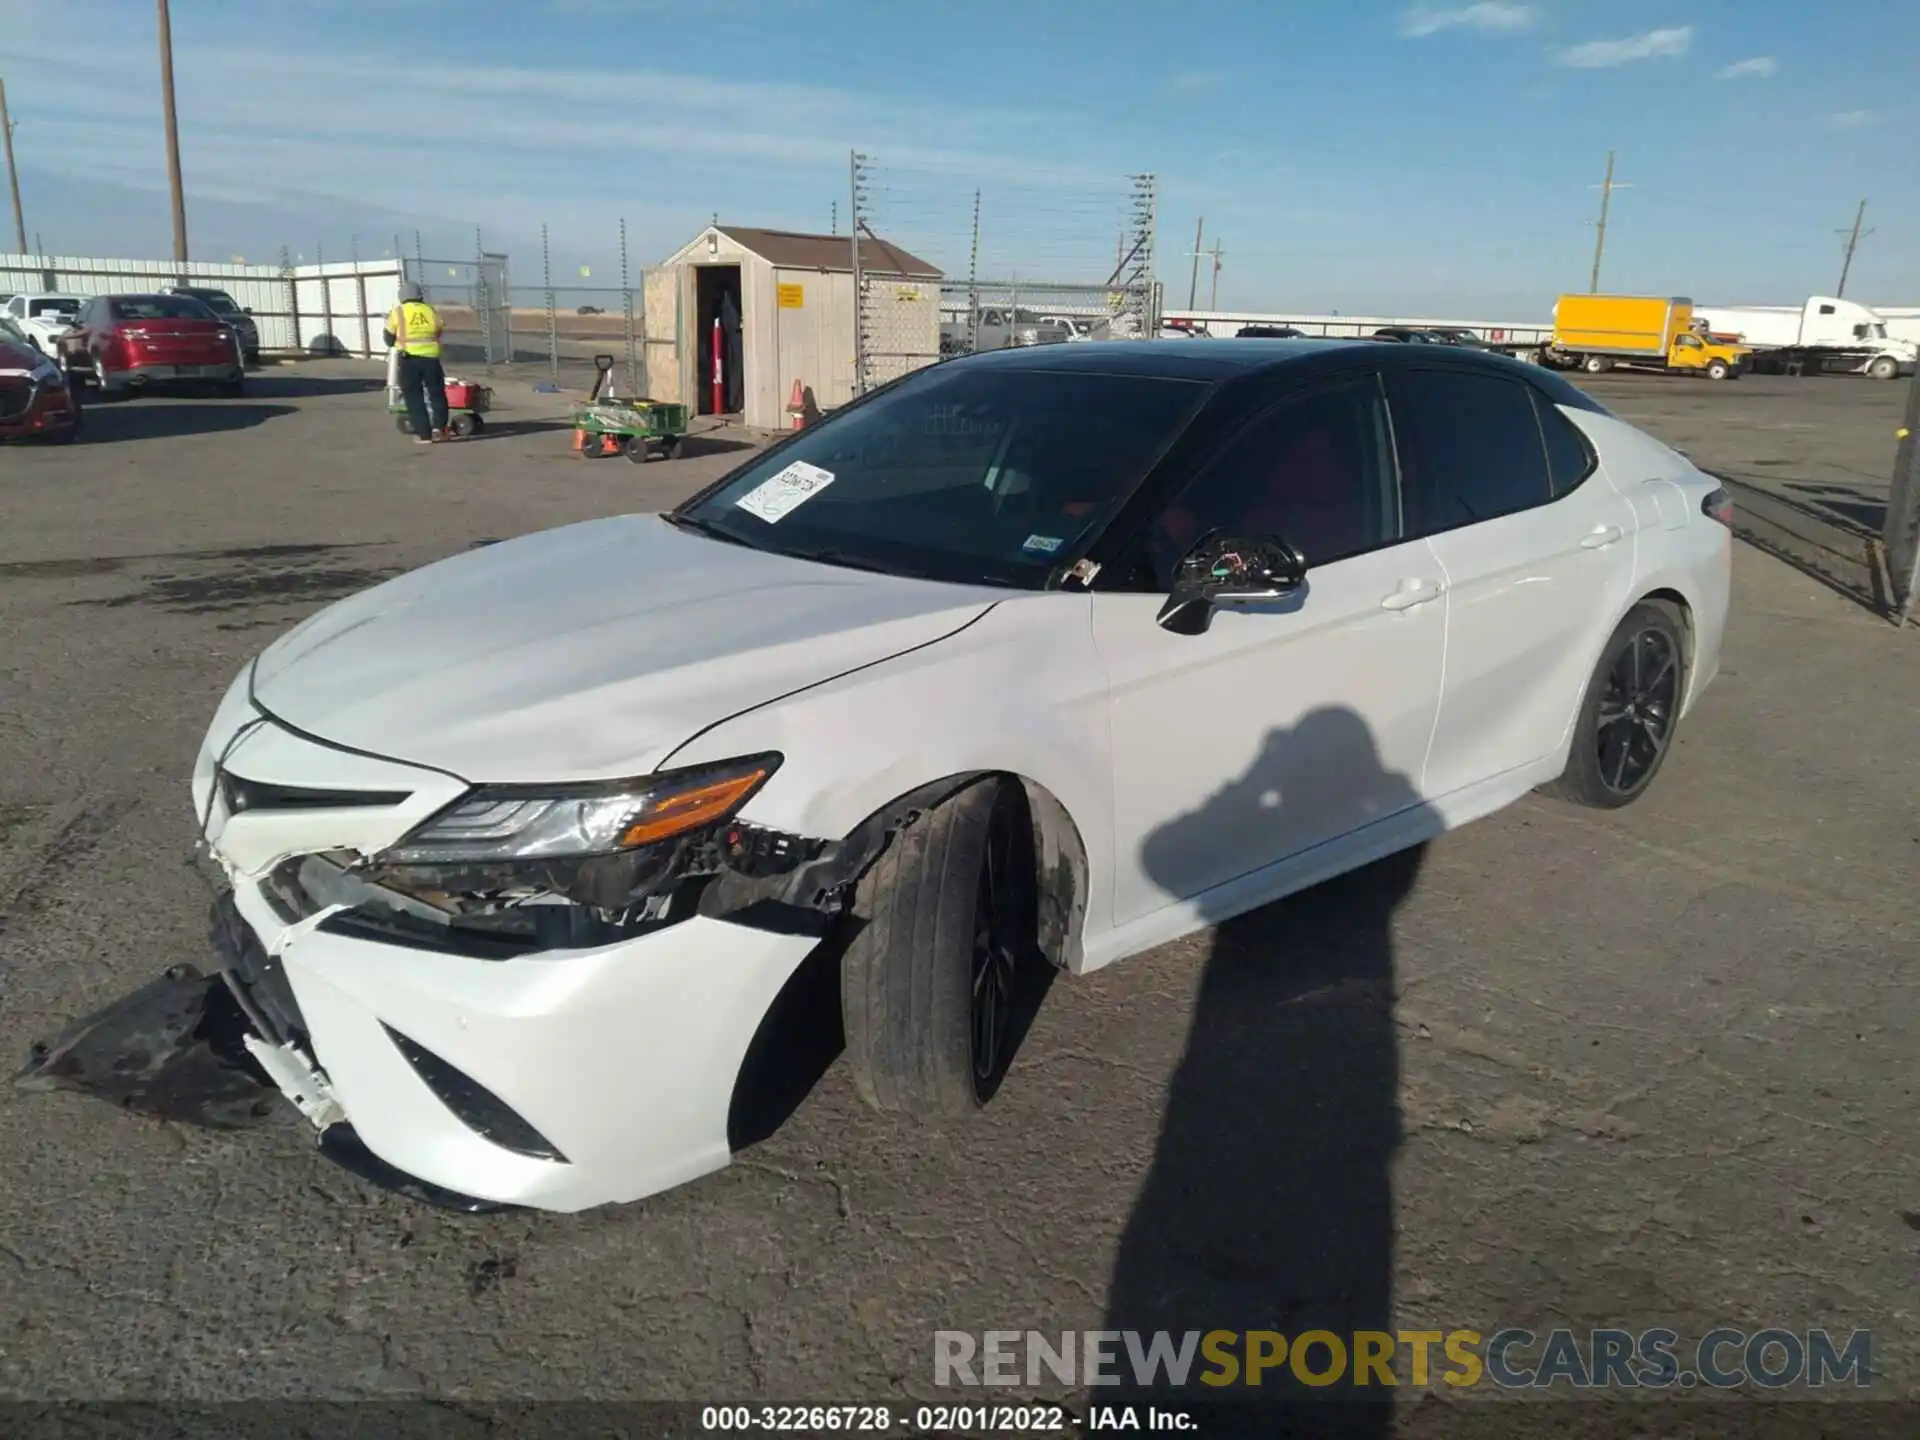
pixel 945 265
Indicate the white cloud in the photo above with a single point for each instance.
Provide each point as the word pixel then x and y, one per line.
pixel 1760 67
pixel 1604 54
pixel 1487 15
pixel 1853 120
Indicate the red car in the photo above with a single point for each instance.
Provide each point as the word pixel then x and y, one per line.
pixel 129 342
pixel 36 400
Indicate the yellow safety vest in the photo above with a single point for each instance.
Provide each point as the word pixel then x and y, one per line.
pixel 416 328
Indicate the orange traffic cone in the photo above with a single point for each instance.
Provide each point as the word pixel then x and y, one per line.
pixel 797 408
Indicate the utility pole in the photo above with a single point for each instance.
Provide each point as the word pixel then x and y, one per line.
pixel 13 174
pixel 1193 283
pixel 173 136
pixel 1606 188
pixel 1213 300
pixel 1854 237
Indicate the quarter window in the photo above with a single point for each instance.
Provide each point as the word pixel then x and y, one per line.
pixel 1569 458
pixel 1477 449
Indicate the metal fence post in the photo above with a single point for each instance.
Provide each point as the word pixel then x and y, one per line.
pixel 553 324
pixel 1901 533
pixel 293 301
pixel 482 300
pixel 360 303
pixel 859 281
pixel 327 340
pixel 626 300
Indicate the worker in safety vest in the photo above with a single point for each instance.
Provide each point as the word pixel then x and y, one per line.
pixel 414 328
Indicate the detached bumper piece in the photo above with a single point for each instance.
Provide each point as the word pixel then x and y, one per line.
pixel 175 1048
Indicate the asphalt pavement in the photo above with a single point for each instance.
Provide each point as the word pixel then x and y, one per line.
pixel 1650 1067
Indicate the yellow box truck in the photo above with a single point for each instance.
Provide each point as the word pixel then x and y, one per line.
pixel 1596 333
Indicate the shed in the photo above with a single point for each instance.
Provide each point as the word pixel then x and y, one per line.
pixel 794 294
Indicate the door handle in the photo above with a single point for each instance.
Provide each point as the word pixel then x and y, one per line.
pixel 1600 536
pixel 1412 593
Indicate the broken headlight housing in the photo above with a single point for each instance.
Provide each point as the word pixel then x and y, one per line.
pixel 509 823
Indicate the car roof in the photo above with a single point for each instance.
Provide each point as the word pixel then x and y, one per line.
pixel 1218 361
pixel 1163 359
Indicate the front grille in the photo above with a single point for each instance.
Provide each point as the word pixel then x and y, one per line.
pixel 256 978
pixel 242 795
pixel 15 396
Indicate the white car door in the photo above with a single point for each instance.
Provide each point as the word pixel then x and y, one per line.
pixel 1538 555
pixel 1287 724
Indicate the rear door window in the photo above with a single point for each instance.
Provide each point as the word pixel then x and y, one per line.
pixel 1477 451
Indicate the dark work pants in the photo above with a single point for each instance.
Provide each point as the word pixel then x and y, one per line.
pixel 424 383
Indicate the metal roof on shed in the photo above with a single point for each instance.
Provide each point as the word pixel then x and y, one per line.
pixel 791 249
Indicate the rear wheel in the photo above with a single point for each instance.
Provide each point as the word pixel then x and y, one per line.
pixel 636 449
pixel 594 446
pixel 670 447
pixel 234 386
pixel 1596 364
pixel 462 425
pixel 933 982
pixel 1632 705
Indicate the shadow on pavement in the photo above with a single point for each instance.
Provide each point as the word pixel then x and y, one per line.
pixel 1829 533
pixel 694 446
pixel 156 417
pixel 294 386
pixel 1269 1202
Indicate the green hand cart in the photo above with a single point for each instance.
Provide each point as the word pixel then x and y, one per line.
pixel 638 429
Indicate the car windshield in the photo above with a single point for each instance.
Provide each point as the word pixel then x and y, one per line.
pixel 972 474
pixel 54 305
pixel 159 307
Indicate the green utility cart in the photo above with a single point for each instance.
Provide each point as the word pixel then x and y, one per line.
pixel 638 429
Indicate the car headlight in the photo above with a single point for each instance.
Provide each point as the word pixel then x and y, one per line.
pixel 45 373
pixel 497 823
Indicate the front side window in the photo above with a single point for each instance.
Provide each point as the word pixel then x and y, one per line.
pixel 1690 342
pixel 1316 471
pixel 981 475
pixel 1477 449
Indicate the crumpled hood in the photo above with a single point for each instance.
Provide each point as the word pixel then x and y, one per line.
pixel 588 652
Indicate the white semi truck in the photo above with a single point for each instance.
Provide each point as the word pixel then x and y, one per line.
pixel 1826 333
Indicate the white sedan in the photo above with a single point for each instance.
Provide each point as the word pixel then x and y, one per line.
pixel 1040 657
pixel 44 318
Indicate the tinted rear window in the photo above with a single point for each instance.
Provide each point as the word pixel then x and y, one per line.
pixel 1477 448
pixel 160 307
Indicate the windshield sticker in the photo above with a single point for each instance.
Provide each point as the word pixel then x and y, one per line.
pixel 773 499
pixel 1042 544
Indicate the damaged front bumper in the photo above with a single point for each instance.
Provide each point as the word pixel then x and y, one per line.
pixel 562 1072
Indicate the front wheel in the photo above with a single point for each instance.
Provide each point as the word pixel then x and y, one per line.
pixel 1632 705
pixel 1718 370
pixel 636 449
pixel 933 983
pixel 1884 367
pixel 462 425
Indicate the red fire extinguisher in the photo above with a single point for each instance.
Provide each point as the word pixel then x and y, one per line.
pixel 719 373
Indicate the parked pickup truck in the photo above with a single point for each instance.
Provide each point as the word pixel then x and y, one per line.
pixel 1596 333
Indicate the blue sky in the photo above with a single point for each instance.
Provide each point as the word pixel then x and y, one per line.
pixel 1434 158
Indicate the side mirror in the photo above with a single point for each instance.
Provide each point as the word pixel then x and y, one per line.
pixel 246 310
pixel 1229 572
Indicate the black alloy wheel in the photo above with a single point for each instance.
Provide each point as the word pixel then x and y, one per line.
pixel 1637 710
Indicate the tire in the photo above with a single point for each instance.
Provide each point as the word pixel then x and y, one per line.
pixel 595 448
pixel 911 972
pixel 404 424
pixel 234 386
pixel 462 425
pixel 1596 364
pixel 1718 370
pixel 1596 773
pixel 636 449
pixel 1885 367
pixel 479 424
pixel 670 448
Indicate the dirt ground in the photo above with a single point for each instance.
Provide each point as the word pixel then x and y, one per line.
pixel 1653 1067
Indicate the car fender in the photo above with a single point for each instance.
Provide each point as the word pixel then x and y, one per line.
pixel 914 728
